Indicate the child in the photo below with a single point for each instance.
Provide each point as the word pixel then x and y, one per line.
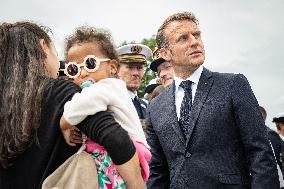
pixel 105 94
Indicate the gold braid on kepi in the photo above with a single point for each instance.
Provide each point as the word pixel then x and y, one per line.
pixel 156 54
pixel 132 58
pixel 134 53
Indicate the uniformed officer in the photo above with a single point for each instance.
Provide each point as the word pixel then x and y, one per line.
pixel 163 68
pixel 131 70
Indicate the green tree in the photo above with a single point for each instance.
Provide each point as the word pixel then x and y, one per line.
pixel 148 74
pixel 150 42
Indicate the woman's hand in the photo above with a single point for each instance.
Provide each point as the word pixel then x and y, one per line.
pixel 72 136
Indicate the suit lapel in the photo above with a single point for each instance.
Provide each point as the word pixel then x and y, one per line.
pixel 203 88
pixel 169 110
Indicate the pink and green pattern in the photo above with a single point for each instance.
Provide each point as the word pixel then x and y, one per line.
pixel 108 176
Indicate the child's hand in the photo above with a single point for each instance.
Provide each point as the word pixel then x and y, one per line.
pixel 72 136
pixel 64 124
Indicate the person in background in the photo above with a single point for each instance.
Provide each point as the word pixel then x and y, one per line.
pixel 149 90
pixel 278 146
pixel 279 122
pixel 164 69
pixel 274 138
pixel 61 69
pixel 157 91
pixel 132 59
pixel 31 104
pixel 205 130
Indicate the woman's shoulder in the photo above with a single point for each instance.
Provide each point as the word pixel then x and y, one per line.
pixel 60 89
pixel 59 84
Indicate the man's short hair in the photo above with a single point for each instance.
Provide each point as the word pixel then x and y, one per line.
pixel 161 41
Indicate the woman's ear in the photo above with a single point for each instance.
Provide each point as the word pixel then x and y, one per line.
pixel 113 67
pixel 166 54
pixel 44 46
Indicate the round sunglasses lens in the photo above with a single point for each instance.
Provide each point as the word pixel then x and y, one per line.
pixel 72 69
pixel 91 63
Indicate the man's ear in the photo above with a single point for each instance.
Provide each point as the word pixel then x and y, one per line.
pixel 166 54
pixel 113 67
pixel 44 46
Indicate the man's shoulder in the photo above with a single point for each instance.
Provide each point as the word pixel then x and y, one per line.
pixel 225 78
pixel 222 75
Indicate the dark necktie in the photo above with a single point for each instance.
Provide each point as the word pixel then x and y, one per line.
pixel 138 107
pixel 185 106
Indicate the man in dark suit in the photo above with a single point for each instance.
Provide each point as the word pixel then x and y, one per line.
pixel 205 131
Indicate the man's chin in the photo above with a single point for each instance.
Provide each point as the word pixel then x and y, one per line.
pixel 196 64
pixel 132 88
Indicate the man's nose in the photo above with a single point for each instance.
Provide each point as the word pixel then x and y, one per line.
pixel 193 40
pixel 163 73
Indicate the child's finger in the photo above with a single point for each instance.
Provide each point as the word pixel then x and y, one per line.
pixel 77 138
pixel 76 132
pixel 76 141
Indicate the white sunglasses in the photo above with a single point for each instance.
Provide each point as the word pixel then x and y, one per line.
pixel 91 63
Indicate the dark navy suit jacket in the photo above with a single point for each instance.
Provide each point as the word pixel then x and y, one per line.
pixel 227 147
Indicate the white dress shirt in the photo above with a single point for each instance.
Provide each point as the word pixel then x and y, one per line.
pixel 179 92
pixel 132 94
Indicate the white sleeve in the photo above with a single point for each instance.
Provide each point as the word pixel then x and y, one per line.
pixel 91 100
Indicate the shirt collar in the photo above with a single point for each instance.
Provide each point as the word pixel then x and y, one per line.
pixel 194 77
pixel 131 94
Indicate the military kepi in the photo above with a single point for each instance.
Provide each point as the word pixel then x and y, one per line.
pixel 157 60
pixel 134 53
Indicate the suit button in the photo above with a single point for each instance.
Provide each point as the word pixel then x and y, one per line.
pixel 187 154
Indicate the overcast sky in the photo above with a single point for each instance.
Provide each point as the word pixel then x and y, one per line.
pixel 240 36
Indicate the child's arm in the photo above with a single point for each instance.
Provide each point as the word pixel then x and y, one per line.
pixel 90 101
pixel 64 124
pixel 131 173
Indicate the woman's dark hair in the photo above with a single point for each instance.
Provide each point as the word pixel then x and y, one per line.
pixel 22 83
pixel 86 34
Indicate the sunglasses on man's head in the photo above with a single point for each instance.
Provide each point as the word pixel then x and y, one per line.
pixel 91 64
